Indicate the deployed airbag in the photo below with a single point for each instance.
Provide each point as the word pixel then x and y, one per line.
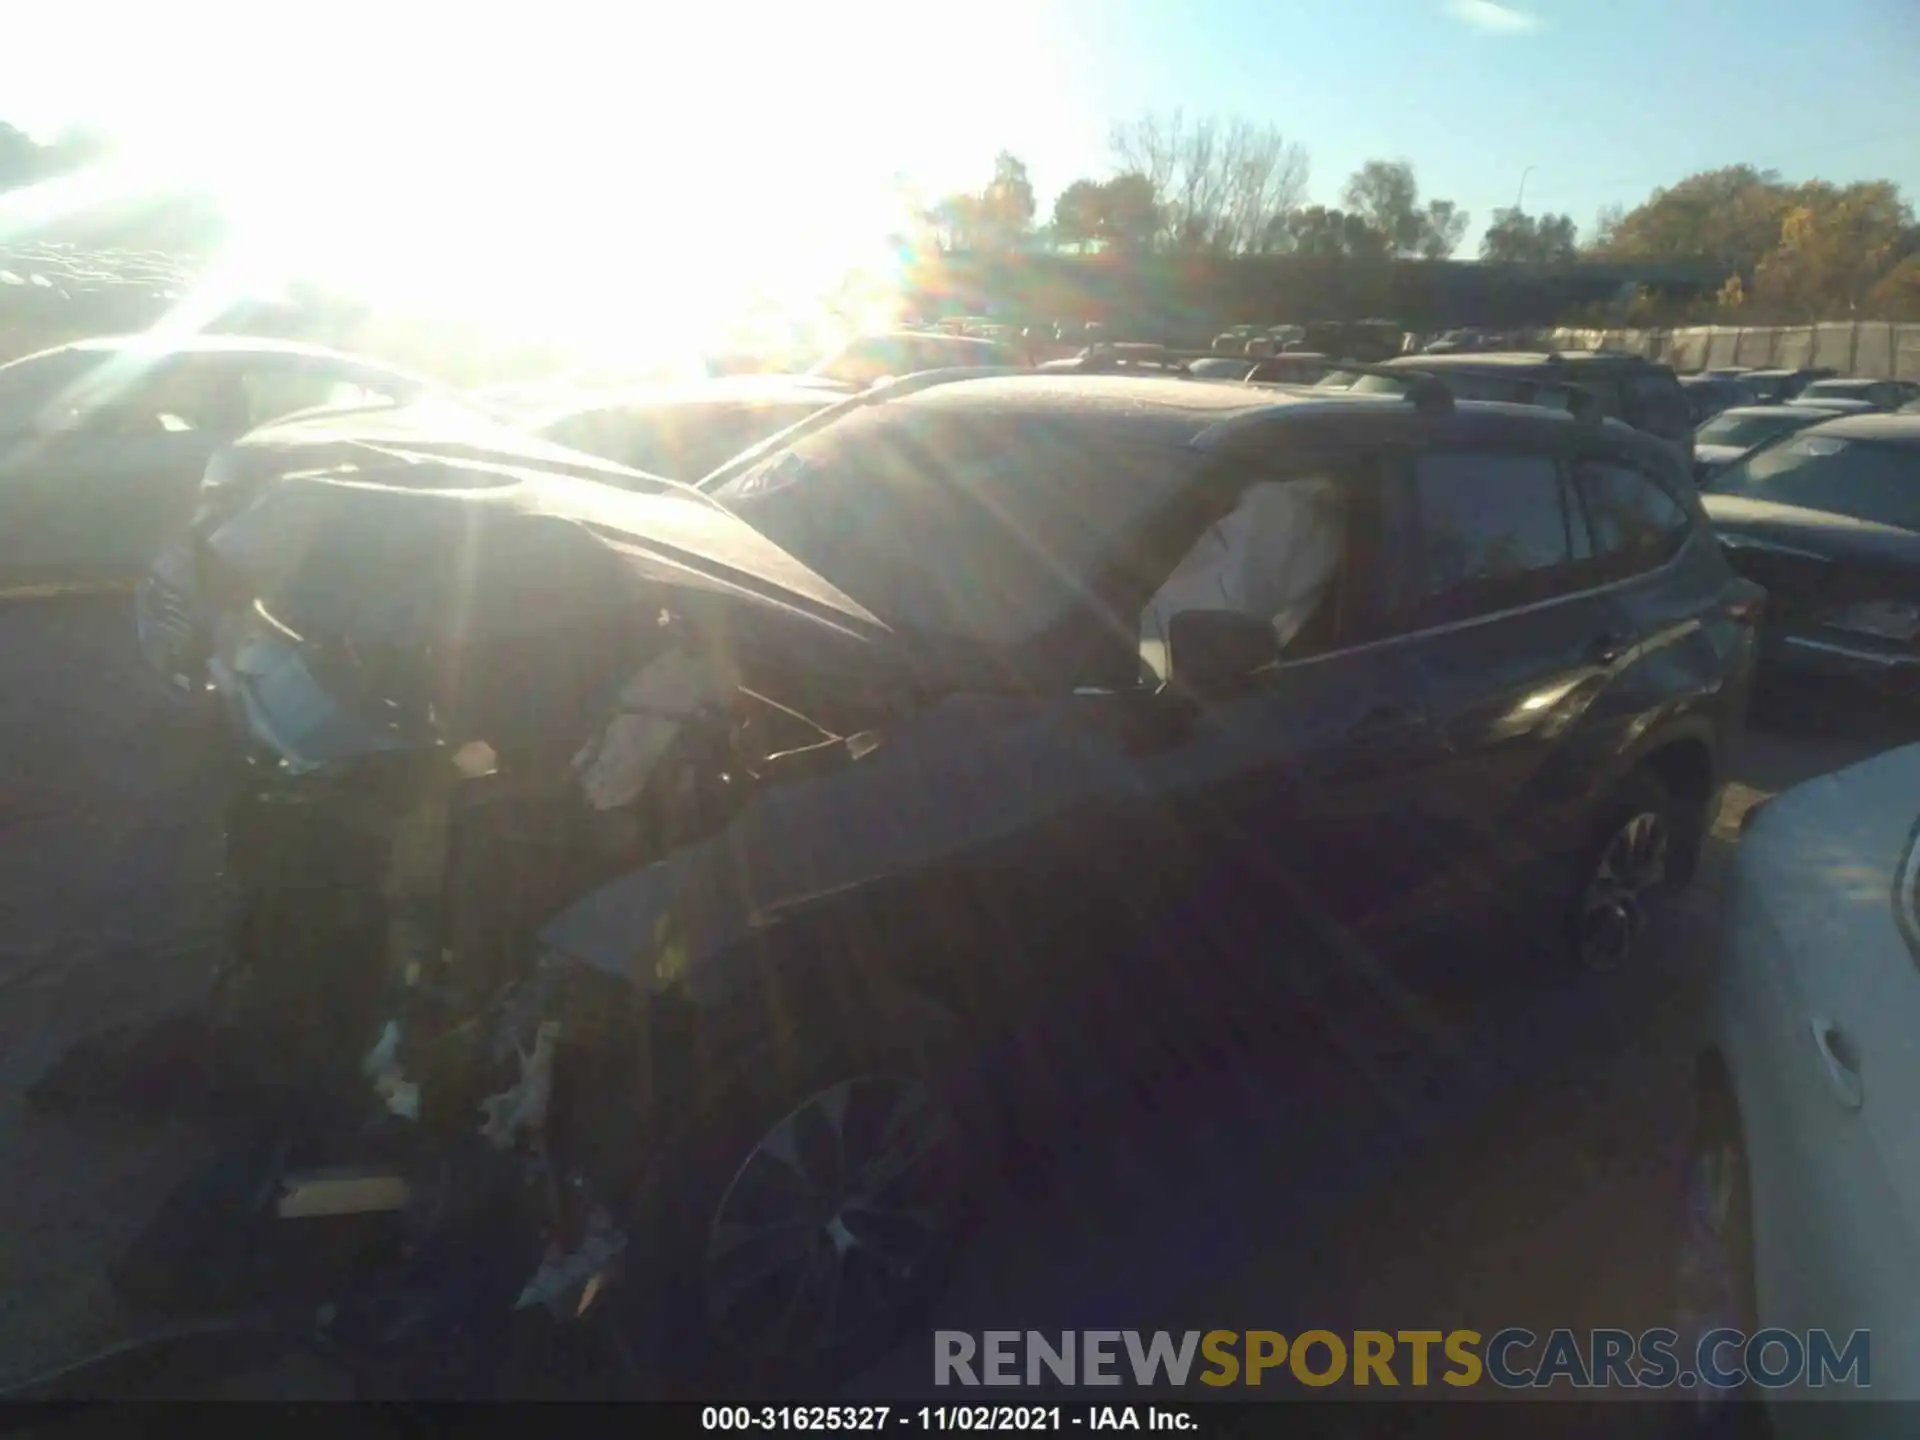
pixel 1275 556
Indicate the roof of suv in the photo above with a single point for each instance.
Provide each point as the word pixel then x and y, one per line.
pixel 1174 411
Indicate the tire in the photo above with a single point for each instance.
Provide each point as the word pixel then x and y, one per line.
pixel 1712 1269
pixel 903 1058
pixel 1630 865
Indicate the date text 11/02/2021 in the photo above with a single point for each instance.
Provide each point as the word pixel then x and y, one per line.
pixel 753 1418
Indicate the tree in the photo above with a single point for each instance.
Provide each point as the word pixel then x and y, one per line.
pixel 1322 233
pixel 955 221
pixel 1080 213
pixel 1216 183
pixel 25 161
pixel 1442 228
pixel 998 218
pixel 19 158
pixel 1728 217
pixel 1606 226
pixel 1386 195
pixel 1517 238
pixel 1835 245
pixel 1897 295
pixel 1130 215
pixel 1006 205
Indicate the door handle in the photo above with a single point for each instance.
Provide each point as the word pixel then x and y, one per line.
pixel 1387 725
pixel 1608 648
pixel 1838 1062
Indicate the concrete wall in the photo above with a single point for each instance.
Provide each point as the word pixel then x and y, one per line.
pixel 1876 349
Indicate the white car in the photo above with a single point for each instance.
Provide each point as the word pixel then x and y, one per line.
pixel 1804 1176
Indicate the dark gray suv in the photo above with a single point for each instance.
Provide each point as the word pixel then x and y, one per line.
pixel 734 854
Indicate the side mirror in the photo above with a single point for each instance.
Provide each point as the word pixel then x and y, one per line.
pixel 1215 654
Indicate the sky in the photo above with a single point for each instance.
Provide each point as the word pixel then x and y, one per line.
pixel 433 147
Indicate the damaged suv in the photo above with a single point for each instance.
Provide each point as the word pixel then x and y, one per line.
pixel 727 859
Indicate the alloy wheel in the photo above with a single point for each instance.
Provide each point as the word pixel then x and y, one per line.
pixel 833 1222
pixel 1614 907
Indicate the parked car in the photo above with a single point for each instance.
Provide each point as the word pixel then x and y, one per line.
pixel 1828 520
pixel 1869 394
pixel 1221 367
pixel 1465 382
pixel 1732 433
pixel 1122 358
pixel 1366 341
pixel 1295 367
pixel 1626 387
pixel 866 359
pixel 1776 387
pixel 1708 395
pixel 1803 1172
pixel 103 442
pixel 806 797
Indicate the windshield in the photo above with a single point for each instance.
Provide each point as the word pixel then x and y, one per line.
pixel 1747 431
pixel 983 529
pixel 1861 479
pixel 1838 389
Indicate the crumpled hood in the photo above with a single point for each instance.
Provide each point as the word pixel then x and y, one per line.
pixel 436 427
pixel 410 547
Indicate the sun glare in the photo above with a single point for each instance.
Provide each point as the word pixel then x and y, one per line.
pixel 651 184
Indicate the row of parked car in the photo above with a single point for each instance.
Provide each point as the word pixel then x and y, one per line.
pixel 701 787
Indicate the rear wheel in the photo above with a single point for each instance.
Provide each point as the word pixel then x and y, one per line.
pixel 1628 869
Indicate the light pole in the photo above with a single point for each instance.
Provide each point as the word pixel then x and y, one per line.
pixel 1519 201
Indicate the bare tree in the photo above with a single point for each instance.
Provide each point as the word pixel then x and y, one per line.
pixel 1218 183
pixel 1386 194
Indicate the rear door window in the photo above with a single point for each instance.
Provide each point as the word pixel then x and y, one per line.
pixel 1495 533
pixel 1634 523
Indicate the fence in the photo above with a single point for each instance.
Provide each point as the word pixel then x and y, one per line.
pixel 1872 349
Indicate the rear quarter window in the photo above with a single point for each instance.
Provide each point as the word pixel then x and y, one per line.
pixel 1494 533
pixel 1635 522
